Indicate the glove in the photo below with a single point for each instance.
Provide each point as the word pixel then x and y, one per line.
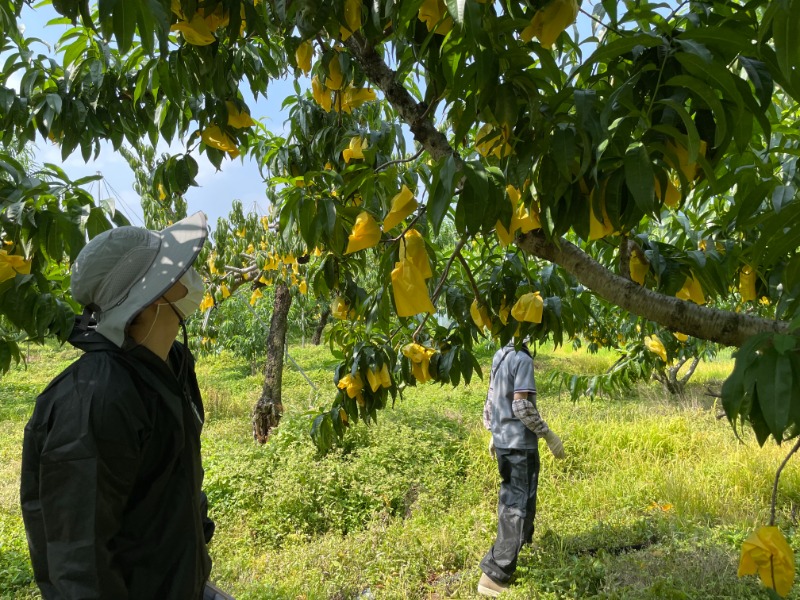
pixel 492 451
pixel 555 444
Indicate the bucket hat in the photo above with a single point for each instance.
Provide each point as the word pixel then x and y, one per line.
pixel 124 270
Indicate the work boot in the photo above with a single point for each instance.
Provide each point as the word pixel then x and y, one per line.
pixel 489 587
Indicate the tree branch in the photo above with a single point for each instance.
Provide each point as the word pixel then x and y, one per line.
pixel 625 251
pixel 413 113
pixel 690 372
pixel 723 327
pixel 472 282
pixel 438 289
pixel 400 160
pixel 775 485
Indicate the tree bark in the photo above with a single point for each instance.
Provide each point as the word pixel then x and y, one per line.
pixel 720 326
pixel 323 320
pixel 268 410
pixel 723 327
pixel 416 115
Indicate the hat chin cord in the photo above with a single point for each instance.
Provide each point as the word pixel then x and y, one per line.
pixel 183 371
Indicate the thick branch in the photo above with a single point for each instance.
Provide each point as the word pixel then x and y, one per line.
pixel 413 113
pixel 723 327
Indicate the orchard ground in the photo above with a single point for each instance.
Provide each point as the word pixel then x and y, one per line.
pixel 653 500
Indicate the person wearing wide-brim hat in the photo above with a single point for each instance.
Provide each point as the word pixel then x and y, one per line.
pixel 111 472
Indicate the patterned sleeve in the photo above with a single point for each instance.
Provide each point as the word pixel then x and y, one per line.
pixel 488 407
pixel 526 411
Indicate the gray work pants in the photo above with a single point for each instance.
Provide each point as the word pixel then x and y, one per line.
pixel 516 509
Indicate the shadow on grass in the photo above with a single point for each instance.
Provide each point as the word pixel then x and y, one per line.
pixel 644 559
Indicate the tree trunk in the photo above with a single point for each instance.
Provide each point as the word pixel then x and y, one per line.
pixel 323 320
pixel 268 410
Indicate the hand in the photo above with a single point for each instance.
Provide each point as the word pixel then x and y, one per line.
pixel 492 451
pixel 555 444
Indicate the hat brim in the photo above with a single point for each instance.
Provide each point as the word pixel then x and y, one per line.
pixel 180 245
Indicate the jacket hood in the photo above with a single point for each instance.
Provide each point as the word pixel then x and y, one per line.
pixel 85 337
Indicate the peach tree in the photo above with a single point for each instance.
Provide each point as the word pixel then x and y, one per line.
pixel 646 161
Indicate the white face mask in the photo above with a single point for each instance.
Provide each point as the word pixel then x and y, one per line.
pixel 195 289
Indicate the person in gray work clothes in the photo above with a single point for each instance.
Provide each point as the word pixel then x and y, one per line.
pixel 511 415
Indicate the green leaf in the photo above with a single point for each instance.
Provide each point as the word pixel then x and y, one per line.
pixel 761 79
pixel 125 16
pixel 786 36
pixel 97 222
pixel 639 177
pixel 784 343
pixel 586 107
pixel 709 96
pixel 621 46
pixel 696 48
pixel 728 39
pixel 781 196
pixel 442 192
pixel 505 105
pixel 693 147
pixel 774 407
pixel 456 9
pixel 471 201
pixel 322 432
pixel 563 150
pixel 713 73
pixel 453 65
pixel 307 210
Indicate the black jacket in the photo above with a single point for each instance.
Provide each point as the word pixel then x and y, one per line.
pixel 111 478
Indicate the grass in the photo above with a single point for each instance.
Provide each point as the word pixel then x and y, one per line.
pixel 652 501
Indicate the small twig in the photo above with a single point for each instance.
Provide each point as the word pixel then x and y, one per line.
pixel 599 22
pixel 674 13
pixel 580 68
pixel 472 282
pixel 245 271
pixel 446 270
pixel 430 107
pixel 775 485
pixel 400 160
pixel 322 43
pixel 438 289
pixel 658 85
pixel 408 228
pixel 625 252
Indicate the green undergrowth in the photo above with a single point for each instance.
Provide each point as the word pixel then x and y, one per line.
pixel 653 500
